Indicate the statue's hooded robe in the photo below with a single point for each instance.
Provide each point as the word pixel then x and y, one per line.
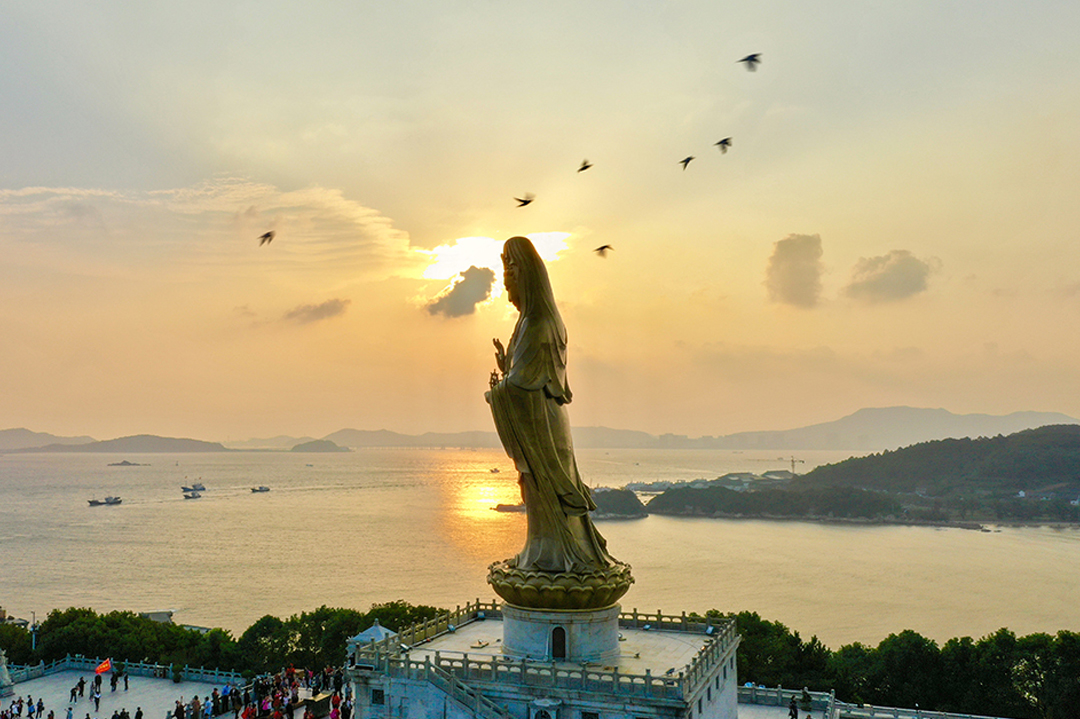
pixel 529 407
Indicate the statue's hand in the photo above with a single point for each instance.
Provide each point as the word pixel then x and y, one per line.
pixel 500 355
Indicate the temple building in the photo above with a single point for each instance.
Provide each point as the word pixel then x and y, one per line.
pixel 460 665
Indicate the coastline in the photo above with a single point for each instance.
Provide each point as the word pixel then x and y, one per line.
pixel 879 521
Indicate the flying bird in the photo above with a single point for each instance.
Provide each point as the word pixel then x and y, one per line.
pixel 752 61
pixel 266 239
pixel 522 201
pixel 602 250
pixel 585 165
pixel 724 145
pixel 686 161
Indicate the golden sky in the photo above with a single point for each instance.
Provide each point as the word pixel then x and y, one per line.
pixel 896 221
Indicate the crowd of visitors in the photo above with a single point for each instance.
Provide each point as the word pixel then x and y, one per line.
pixel 321 694
pixel 275 696
pixel 36 710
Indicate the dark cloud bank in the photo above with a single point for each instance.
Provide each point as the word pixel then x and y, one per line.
pixel 889 278
pixel 306 314
pixel 793 275
pixel 472 287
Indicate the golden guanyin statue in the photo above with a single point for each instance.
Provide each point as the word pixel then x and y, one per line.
pixel 565 563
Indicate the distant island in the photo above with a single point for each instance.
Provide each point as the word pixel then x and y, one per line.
pixel 126 463
pixel 871 429
pixel 319 445
pixel 20 438
pixel 617 504
pixel 136 444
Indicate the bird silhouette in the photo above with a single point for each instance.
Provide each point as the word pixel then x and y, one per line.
pixel 686 161
pixel 522 201
pixel 724 145
pixel 602 250
pixel 585 165
pixel 752 61
pixel 266 239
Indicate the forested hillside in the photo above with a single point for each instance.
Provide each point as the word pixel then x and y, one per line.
pixel 1044 460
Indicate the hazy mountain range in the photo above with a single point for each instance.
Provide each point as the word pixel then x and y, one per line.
pixel 865 430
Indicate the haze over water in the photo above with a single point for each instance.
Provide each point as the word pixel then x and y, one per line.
pixel 415 524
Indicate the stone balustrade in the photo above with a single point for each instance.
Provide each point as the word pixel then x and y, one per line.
pixel 80 663
pixel 522 672
pixel 823 702
pixel 867 711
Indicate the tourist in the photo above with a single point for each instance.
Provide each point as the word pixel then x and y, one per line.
pixel 793 709
pixel 125 680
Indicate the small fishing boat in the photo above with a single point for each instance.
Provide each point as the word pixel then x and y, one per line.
pixel 107 501
pixel 191 495
pixel 197 487
pixel 260 488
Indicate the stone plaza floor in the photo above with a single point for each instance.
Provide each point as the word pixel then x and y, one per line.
pixel 155 696
pixel 661 653
pixel 766 711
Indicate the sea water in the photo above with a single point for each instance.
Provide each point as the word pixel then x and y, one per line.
pixel 376 525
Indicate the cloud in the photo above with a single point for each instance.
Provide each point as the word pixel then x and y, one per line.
pixel 793 275
pixel 473 287
pixel 889 278
pixel 306 314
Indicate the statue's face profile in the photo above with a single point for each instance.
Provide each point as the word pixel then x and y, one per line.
pixel 510 280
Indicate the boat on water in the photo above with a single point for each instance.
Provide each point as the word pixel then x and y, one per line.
pixel 104 502
pixel 509 508
pixel 260 488
pixel 494 470
pixel 191 495
pixel 197 487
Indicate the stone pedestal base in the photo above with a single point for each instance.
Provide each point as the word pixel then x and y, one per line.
pixel 559 591
pixel 571 636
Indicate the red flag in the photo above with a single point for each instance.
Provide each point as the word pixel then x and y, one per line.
pixel 103 667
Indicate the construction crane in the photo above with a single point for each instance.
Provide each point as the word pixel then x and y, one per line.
pixel 793 461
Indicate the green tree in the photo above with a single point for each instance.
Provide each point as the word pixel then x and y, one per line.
pixel 16 642
pixel 905 671
pixel 849 673
pixel 265 644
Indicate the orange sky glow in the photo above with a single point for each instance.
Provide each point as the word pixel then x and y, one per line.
pixel 894 223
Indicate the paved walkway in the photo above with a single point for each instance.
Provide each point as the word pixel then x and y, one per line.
pixel 767 711
pixel 155 696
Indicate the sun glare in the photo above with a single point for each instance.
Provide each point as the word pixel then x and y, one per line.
pixel 450 260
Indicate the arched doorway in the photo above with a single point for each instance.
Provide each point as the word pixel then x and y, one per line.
pixel 558 643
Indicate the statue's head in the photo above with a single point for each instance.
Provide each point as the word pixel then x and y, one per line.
pixel 525 277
